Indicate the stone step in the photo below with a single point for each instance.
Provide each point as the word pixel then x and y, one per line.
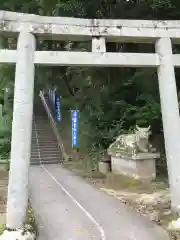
pixel 46 155
pixel 49 160
pixel 44 162
pixel 43 147
pixel 44 135
pixel 46 151
pixel 41 124
pixel 43 150
pixel 59 156
pixel 40 127
pixel 57 160
pixel 43 140
pixel 43 131
pixel 43 158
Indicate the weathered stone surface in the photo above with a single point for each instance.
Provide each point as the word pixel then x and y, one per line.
pixel 104 167
pixel 170 116
pixel 99 44
pixel 132 155
pixel 96 59
pixel 21 132
pixel 133 144
pixel 84 29
pixel 143 169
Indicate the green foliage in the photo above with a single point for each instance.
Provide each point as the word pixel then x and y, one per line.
pixel 157 4
pixel 2 228
pixel 5 136
pixel 30 224
pixel 111 100
pixel 6 99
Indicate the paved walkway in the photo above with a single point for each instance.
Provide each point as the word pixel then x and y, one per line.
pixel 69 208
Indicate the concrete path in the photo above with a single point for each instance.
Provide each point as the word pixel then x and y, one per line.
pixel 69 208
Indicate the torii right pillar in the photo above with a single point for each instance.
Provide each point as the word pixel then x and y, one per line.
pixel 170 117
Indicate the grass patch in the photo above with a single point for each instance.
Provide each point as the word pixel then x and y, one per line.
pixel 82 170
pixel 114 181
pixel 121 182
pixel 2 228
pixel 30 224
pixel 118 182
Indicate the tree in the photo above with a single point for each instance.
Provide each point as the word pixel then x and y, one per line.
pixel 118 103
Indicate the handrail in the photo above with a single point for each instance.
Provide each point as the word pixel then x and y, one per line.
pixel 54 126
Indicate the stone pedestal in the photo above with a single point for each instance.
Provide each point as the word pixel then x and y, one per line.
pixel 141 166
pixel 104 167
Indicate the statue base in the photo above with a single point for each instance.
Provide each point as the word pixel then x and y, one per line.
pixel 104 167
pixel 141 166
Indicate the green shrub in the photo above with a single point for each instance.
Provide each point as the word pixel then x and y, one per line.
pixel 5 136
pixel 2 228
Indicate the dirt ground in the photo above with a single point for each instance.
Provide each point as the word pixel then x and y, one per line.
pixel 149 199
pixel 3 194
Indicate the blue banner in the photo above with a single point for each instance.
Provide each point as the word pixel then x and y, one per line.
pixel 54 97
pixel 51 94
pixel 58 108
pixel 74 118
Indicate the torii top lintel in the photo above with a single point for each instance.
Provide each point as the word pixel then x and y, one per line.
pixel 77 29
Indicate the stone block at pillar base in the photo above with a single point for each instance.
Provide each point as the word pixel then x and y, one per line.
pixel 17 235
pixel 104 167
pixel 141 166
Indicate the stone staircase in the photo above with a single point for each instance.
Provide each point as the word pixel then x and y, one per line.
pixel 44 145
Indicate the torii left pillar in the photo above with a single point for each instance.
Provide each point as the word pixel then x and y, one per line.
pixel 21 133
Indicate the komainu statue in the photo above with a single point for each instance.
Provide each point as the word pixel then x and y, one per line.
pixel 133 144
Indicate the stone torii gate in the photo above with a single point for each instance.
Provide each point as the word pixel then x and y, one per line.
pixel 28 27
